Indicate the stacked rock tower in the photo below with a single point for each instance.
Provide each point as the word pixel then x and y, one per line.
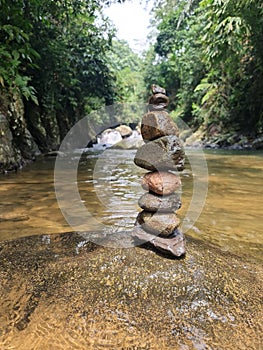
pixel 163 156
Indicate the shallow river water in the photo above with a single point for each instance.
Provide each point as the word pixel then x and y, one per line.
pixel 61 291
pixel 109 186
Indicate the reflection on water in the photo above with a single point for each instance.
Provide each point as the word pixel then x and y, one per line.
pixel 109 186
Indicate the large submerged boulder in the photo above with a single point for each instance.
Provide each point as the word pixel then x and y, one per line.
pixel 62 289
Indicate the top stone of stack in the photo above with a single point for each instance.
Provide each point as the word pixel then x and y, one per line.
pixel 158 101
pixel 157 89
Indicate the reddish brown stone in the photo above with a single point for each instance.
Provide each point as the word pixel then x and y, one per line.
pixel 161 183
pixel 157 124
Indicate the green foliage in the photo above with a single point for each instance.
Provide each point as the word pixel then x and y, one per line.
pixel 209 55
pixel 128 68
pixel 232 58
pixel 54 53
pixel 15 50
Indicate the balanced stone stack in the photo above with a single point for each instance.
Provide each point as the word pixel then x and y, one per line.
pixel 163 155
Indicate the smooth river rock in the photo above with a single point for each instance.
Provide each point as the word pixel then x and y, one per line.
pixel 153 203
pixel 161 182
pixel 157 124
pixel 158 101
pixel 160 224
pixel 124 130
pixel 163 153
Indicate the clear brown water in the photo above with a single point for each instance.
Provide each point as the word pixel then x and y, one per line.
pixel 59 291
pixel 231 217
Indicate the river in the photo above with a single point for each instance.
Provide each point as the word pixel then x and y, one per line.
pixel 61 291
pixel 109 187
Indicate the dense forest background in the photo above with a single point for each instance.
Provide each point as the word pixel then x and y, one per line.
pixel 60 60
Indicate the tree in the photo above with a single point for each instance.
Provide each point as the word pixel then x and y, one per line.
pixel 128 68
pixel 209 55
pixel 54 54
pixel 232 52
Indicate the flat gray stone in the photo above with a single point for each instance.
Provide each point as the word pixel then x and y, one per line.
pixel 152 202
pixel 174 246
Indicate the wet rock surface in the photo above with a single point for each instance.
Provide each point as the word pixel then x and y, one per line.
pixel 163 153
pixel 62 292
pixel 155 203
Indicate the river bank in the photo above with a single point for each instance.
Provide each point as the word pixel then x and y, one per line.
pixel 11 160
pixel 26 136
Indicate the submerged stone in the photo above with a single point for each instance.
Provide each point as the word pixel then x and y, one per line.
pixel 160 224
pixel 161 182
pixel 163 153
pixel 153 203
pixel 157 124
pixel 64 291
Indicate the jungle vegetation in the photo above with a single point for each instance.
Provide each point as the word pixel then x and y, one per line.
pixel 63 58
pixel 209 55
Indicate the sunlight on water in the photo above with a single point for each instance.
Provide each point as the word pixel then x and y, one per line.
pixel 109 186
